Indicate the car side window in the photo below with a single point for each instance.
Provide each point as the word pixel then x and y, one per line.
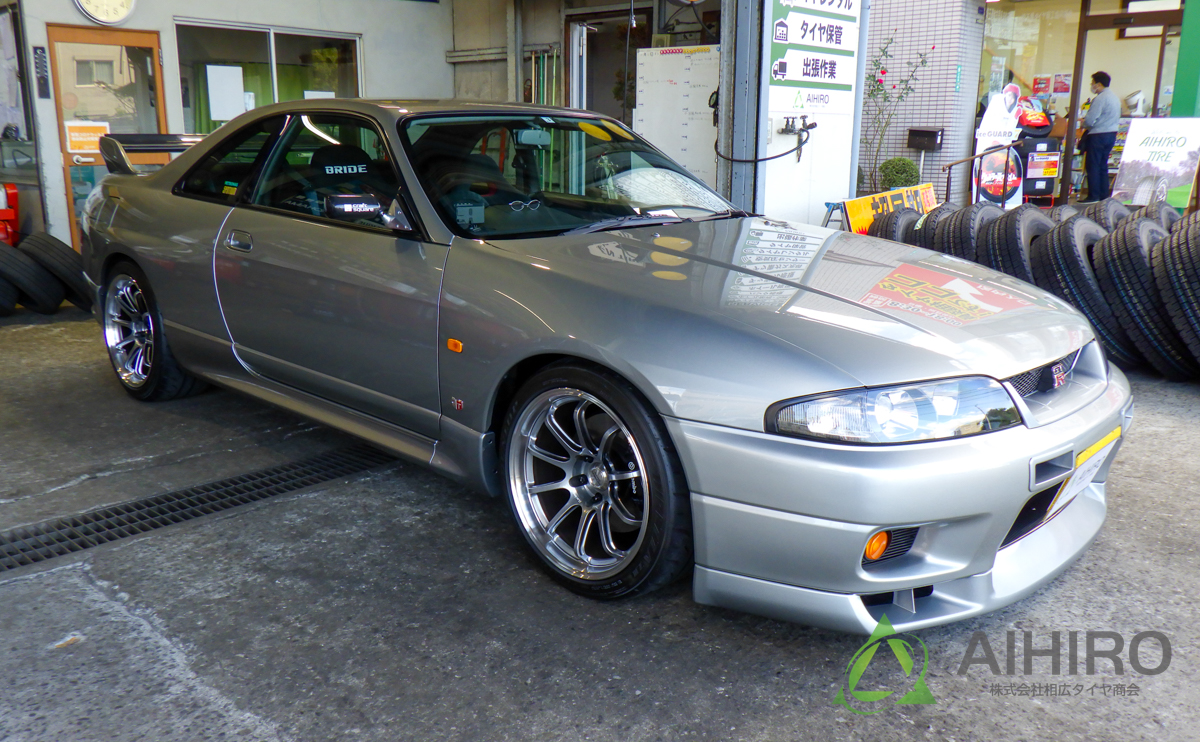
pixel 220 174
pixel 331 166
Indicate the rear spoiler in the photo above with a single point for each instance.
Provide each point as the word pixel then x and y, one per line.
pixel 114 148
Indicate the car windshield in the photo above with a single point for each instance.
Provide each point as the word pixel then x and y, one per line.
pixel 512 176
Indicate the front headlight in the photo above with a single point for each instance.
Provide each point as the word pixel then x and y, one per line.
pixel 950 408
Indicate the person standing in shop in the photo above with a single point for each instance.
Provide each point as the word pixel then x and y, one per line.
pixel 1101 122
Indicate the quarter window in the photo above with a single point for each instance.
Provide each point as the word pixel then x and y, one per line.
pixel 231 163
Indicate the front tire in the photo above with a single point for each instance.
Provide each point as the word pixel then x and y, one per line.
pixel 594 483
pixel 136 342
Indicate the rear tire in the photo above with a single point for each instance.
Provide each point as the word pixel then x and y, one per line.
pixel 136 339
pixel 594 483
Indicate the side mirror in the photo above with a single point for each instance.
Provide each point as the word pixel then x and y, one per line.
pixel 358 208
pixel 351 207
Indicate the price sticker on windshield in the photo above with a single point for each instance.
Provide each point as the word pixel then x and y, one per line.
pixel 1087 464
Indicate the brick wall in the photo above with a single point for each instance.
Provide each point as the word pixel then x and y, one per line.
pixel 955 28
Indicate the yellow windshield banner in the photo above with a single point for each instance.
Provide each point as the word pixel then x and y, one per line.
pixel 860 212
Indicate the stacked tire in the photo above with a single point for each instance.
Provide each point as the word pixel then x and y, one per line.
pixel 1007 240
pixel 1137 281
pixel 958 233
pixel 39 273
pixel 896 226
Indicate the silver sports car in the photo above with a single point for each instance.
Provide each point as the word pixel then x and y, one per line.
pixel 818 426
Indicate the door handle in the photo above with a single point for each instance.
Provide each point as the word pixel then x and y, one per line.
pixel 81 160
pixel 238 240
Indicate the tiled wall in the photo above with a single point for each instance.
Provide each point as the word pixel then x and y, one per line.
pixel 955 28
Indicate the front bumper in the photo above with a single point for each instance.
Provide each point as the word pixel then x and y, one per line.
pixel 780 524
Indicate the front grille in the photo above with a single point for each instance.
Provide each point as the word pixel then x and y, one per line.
pixel 901 541
pixel 52 538
pixel 1041 379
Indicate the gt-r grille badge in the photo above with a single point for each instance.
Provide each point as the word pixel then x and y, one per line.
pixel 1060 374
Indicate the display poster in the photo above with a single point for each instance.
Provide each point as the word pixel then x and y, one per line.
pixel 84 136
pixel 992 173
pixel 673 90
pixel 861 212
pixel 1062 82
pixel 1041 84
pixel 1159 161
pixel 1043 165
pixel 811 59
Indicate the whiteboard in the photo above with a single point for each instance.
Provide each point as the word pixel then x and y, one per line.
pixel 672 113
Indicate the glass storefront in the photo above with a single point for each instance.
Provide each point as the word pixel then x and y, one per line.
pixel 1035 45
pixel 226 71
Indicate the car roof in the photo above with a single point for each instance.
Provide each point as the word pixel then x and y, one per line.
pixel 403 108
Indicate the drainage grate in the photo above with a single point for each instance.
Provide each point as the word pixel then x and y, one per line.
pixel 52 538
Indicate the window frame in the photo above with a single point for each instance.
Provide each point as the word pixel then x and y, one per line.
pixel 255 170
pixel 403 195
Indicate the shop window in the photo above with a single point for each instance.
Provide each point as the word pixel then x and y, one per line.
pixel 93 72
pixel 226 71
pixel 1031 45
pixel 312 67
pixel 223 72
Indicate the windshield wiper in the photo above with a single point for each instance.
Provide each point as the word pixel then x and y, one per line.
pixel 625 221
pixel 729 214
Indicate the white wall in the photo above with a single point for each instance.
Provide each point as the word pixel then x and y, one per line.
pixel 403 55
pixel 1132 63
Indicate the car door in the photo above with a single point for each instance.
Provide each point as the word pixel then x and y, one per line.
pixel 342 306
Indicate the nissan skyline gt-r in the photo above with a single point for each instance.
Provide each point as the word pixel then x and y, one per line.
pixel 815 425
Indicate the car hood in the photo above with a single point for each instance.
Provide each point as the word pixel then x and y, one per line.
pixel 880 311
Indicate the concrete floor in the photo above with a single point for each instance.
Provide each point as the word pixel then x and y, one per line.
pixel 398 606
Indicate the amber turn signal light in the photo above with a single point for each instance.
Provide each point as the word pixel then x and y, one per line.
pixel 454 345
pixel 876 545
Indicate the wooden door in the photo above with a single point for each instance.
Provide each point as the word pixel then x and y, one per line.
pixel 105 81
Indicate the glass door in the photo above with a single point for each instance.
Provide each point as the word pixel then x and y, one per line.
pixel 105 81
pixel 1135 42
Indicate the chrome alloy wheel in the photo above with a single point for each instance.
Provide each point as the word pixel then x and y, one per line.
pixel 129 331
pixel 578 484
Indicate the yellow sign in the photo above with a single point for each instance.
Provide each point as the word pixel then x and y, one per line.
pixel 860 212
pixel 84 136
